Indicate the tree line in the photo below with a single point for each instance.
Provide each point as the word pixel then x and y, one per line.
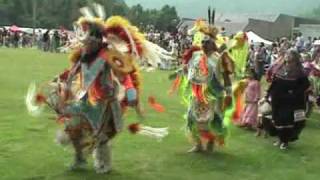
pixel 62 13
pixel 316 12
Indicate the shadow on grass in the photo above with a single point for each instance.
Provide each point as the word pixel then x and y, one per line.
pixel 216 161
pixel 89 173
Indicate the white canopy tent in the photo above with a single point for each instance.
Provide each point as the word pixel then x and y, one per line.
pixel 27 29
pixel 316 43
pixel 254 38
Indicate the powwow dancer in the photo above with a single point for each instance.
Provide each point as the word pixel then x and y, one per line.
pixel 233 52
pixel 240 53
pixel 205 84
pixel 91 97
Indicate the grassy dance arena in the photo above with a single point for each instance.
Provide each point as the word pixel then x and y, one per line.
pixel 28 150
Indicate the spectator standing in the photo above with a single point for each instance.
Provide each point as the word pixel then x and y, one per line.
pixel 259 60
pixel 46 41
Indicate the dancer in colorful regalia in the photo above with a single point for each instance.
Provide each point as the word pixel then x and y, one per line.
pixel 239 52
pixel 235 51
pixel 90 97
pixel 205 85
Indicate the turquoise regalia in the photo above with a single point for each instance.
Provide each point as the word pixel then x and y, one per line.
pixel 96 74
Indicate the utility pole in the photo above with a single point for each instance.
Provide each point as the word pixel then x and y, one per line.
pixel 34 13
pixel 34 19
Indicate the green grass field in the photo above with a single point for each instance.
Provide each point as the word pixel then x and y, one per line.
pixel 28 150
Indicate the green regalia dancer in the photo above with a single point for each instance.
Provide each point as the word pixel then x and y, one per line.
pixel 205 85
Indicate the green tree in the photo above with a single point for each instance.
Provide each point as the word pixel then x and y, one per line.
pixel 41 13
pixel 164 19
pixel 316 12
pixel 167 18
pixel 56 13
pixel 136 14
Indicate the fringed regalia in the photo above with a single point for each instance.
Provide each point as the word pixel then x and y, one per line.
pixel 91 96
pixel 205 87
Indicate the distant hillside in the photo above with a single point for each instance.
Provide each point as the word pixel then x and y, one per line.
pixel 194 9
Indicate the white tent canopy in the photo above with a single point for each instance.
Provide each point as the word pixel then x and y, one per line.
pixel 316 43
pixel 254 38
pixel 28 30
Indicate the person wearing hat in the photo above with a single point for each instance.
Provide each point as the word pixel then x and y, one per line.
pixel 207 91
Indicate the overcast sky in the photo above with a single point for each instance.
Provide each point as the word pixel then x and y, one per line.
pixel 198 8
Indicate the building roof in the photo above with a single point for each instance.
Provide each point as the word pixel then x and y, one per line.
pixel 185 23
pixel 259 23
pixel 283 26
pixel 243 17
pixel 231 27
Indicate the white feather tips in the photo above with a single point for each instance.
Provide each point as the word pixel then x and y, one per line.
pixel 155 54
pixel 157 133
pixel 87 13
pixel 99 9
pixel 32 108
